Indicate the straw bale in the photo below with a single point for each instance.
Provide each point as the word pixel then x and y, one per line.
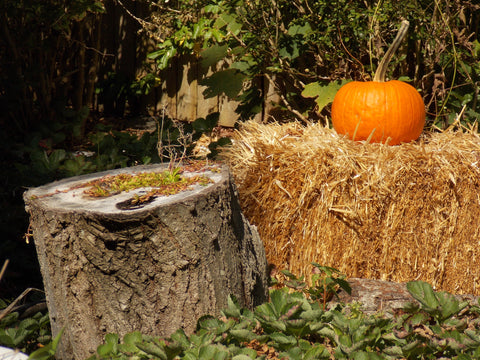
pixel 374 211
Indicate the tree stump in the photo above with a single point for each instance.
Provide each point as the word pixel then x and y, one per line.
pixel 154 268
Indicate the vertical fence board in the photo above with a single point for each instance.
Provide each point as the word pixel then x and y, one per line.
pixel 204 105
pixel 228 116
pixel 183 97
pixel 187 93
pixel 167 99
pixel 180 94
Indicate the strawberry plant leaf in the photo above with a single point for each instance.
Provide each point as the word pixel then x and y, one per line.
pixel 424 294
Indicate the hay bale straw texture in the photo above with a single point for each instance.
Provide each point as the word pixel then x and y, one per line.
pixel 397 213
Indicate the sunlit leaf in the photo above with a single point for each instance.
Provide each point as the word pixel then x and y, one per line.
pixel 323 93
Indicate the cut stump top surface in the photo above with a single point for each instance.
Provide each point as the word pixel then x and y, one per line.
pixel 69 194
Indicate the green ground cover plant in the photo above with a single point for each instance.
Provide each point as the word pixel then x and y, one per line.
pixel 24 334
pixel 293 324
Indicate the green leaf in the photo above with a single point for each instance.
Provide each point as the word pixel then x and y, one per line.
pixel 105 350
pixel 153 349
pixel 9 320
pixel 213 55
pixel 289 50
pixel 155 54
pixel 48 351
pixel 111 338
pixel 56 157
pixel 234 27
pixel 181 338
pixel 423 293
pixel 132 338
pixel 296 326
pixel 165 59
pixel 110 346
pixel 411 346
pixel 464 357
pixel 345 340
pixel 299 30
pixel 29 324
pixel 197 28
pixel 213 351
pixel 128 348
pixel 317 352
pixel 324 94
pixel 393 351
pixel 242 66
pixel 6 340
pixel 243 334
pixel 19 337
pixel 344 285
pixel 418 318
pixel 449 305
pixel 327 332
pixel 475 336
pixel 237 351
pixel 363 355
pixel 212 9
pixel 209 323
pixel 223 20
pixel 476 48
pixel 312 315
pixel 293 353
pixel 283 339
pixel 233 308
pixel 278 299
pixel 206 125
pixel 242 357
pixel 215 33
pixel 228 82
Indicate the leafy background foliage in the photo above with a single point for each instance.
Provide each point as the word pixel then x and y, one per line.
pixel 292 46
pixel 294 324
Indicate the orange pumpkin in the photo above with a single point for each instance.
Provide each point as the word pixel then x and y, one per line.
pixel 380 111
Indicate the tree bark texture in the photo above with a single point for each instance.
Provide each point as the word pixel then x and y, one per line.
pixel 154 269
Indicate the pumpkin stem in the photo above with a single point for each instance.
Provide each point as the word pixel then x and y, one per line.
pixel 382 67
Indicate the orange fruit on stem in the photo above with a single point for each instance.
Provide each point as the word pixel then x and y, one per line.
pixel 380 111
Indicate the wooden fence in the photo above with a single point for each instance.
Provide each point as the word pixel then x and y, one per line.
pixel 180 94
